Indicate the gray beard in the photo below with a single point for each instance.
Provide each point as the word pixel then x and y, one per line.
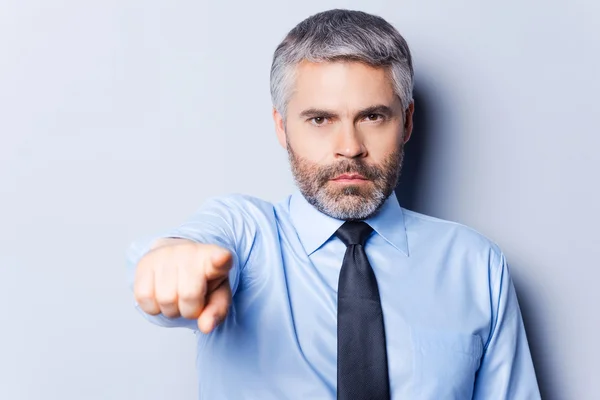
pixel 351 202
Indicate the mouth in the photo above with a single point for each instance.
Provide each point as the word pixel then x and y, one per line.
pixel 350 178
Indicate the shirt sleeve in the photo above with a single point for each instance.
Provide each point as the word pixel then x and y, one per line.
pixel 506 370
pixel 221 221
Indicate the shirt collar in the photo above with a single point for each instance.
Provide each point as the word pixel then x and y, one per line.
pixel 315 228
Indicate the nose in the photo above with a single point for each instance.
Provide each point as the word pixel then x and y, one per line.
pixel 349 143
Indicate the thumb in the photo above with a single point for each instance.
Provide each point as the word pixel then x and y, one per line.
pixel 220 263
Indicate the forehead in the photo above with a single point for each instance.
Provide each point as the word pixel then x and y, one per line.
pixel 341 84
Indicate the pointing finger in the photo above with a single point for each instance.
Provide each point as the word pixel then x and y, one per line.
pixel 217 305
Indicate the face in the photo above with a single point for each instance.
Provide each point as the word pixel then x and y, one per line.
pixel 345 132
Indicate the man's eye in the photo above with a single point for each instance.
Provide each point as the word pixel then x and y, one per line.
pixel 318 120
pixel 374 117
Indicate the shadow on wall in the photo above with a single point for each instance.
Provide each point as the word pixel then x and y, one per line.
pixel 410 190
pixel 537 340
pixel 409 187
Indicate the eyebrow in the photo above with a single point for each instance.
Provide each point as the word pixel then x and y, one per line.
pixel 375 109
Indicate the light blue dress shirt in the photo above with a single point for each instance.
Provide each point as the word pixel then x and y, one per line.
pixel 452 322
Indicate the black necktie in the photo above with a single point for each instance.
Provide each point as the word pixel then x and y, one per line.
pixel 362 360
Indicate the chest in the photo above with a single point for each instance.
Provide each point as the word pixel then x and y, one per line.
pixel 287 309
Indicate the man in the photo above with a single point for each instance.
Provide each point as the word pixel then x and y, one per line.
pixel 337 290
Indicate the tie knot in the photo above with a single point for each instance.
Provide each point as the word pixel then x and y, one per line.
pixel 354 232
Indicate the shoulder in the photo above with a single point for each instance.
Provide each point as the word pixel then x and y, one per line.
pixel 240 205
pixel 239 200
pixel 452 237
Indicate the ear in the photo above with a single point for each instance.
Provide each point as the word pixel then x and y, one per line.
pixel 280 128
pixel 408 121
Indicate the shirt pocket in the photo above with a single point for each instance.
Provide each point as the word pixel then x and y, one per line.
pixel 445 364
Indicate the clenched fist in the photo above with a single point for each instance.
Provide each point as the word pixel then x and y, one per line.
pixel 183 278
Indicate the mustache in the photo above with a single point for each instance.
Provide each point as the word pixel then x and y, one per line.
pixel 325 173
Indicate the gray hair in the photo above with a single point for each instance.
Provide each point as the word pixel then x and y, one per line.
pixel 342 35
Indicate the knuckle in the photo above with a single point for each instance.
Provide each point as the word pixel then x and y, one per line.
pixel 149 308
pixel 168 299
pixel 170 312
pixel 149 261
pixel 201 259
pixel 143 296
pixel 190 296
pixel 191 312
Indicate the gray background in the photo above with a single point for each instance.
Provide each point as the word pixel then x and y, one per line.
pixel 118 118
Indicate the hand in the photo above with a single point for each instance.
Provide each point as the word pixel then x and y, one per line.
pixel 185 278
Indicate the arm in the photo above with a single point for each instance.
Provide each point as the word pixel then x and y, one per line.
pixel 219 222
pixel 506 370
